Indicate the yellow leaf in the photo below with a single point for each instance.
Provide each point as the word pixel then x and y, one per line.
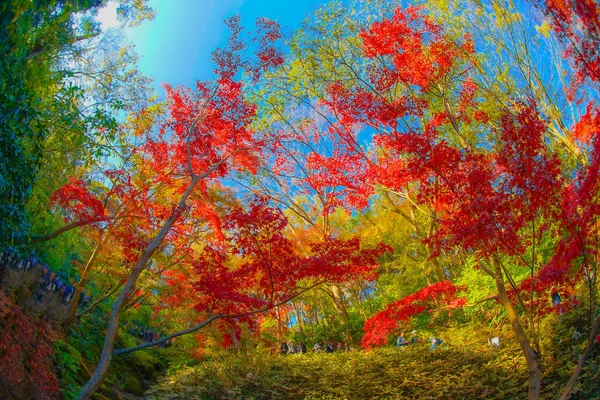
pixel 544 29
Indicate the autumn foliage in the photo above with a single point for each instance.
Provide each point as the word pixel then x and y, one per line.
pixel 232 202
pixel 26 351
pixel 420 52
pixel 577 251
pixel 257 266
pixel 384 323
pixel 577 24
pixel 488 196
pixel 78 203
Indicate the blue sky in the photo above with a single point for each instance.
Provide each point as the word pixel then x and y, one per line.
pixel 175 48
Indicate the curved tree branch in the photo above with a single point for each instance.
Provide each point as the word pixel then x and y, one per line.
pixel 66 228
pixel 582 360
pixel 169 337
pixel 214 317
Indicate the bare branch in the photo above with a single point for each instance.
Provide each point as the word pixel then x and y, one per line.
pixel 214 317
pixel 66 228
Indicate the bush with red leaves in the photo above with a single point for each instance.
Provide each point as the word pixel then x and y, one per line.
pixel 384 323
pixel 26 369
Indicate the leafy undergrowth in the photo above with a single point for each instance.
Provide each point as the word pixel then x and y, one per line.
pixel 386 373
pixel 454 371
pixel 26 369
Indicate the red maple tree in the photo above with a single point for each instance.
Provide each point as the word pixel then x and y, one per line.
pixel 384 323
pixel 488 194
pixel 257 266
pixel 206 136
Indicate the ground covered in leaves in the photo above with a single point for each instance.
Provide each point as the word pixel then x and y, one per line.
pixel 451 372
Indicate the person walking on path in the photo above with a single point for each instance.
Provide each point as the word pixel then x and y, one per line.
pixel 435 342
pixel 401 341
pixel 283 349
pixel 414 339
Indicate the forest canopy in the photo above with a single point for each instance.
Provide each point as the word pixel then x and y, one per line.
pixel 389 166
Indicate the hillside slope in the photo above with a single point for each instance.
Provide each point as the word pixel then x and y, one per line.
pixel 451 372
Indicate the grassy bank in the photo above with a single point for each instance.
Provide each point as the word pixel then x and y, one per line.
pixel 447 373
pixel 462 368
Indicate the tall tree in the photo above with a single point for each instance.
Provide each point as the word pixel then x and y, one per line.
pixel 46 115
pixel 206 137
pixel 490 178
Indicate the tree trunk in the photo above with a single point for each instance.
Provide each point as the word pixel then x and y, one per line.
pixel 279 331
pixel 128 290
pixel 113 324
pixel 437 267
pixel 324 320
pixel 315 311
pixel 533 358
pixel 591 341
pixel 80 285
pixel 339 304
pixel 361 307
pixel 299 319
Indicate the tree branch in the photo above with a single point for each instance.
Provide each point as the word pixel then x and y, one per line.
pixel 67 227
pixel 582 360
pixel 169 337
pixel 212 318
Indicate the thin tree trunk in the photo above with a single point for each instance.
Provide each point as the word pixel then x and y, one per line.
pixel 533 358
pixel 323 319
pixel 437 267
pixel 298 317
pixel 81 284
pixel 279 332
pixel 591 341
pixel 100 300
pixel 315 315
pixel 339 304
pixel 361 307
pixel 128 290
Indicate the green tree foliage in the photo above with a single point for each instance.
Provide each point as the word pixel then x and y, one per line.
pixel 75 112
pixel 57 111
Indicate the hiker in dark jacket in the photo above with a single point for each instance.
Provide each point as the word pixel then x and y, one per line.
pixel 283 349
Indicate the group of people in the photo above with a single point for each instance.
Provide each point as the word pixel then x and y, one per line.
pixel 300 347
pixel 12 260
pixel 49 280
pixel 51 283
pixel 401 341
pixel 291 348
pixel 148 335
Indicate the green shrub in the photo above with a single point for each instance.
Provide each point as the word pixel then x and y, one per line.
pixel 133 386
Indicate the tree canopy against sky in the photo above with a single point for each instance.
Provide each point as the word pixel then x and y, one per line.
pixel 168 56
pixel 261 189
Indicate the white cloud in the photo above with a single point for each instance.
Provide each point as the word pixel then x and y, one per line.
pixel 108 16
